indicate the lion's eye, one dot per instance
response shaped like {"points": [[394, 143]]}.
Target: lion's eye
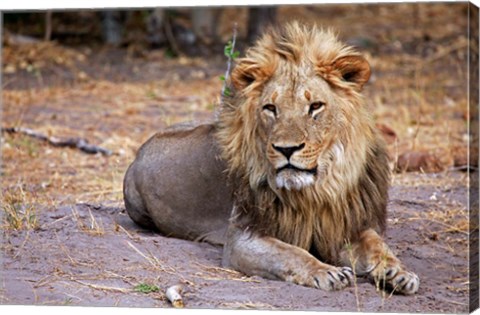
{"points": [[315, 108], [271, 108]]}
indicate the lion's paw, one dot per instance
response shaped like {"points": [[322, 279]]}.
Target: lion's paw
{"points": [[333, 278], [405, 282], [397, 279]]}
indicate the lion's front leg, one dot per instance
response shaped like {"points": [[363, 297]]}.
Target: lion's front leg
{"points": [[369, 255], [273, 259]]}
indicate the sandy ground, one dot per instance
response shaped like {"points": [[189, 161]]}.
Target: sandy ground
{"points": [[93, 255]]}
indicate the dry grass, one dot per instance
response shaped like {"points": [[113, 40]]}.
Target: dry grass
{"points": [[217, 273], [65, 176], [353, 262], [103, 287], [33, 57], [452, 220], [90, 225], [153, 261], [19, 210], [3, 298], [440, 208], [248, 305], [87, 280]]}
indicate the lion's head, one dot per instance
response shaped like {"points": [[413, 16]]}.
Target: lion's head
{"points": [[297, 124], [297, 105]]}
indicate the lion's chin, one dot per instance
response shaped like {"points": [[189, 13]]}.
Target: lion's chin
{"points": [[294, 180]]}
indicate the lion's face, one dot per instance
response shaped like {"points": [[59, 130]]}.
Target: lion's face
{"points": [[297, 101], [300, 118]]}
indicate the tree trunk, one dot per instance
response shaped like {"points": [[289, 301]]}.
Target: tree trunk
{"points": [[258, 19], [204, 23]]}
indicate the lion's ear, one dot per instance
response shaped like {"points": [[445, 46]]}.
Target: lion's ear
{"points": [[243, 74], [252, 72], [353, 69]]}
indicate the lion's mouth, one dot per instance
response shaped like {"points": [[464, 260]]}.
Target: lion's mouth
{"points": [[289, 166], [291, 177]]}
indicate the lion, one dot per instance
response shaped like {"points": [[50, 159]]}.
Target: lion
{"points": [[292, 178]]}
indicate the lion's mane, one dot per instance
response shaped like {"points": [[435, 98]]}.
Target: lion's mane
{"points": [[353, 194]]}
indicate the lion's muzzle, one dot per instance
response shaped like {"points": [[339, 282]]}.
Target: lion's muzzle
{"points": [[288, 151], [291, 177], [289, 166], [292, 170]]}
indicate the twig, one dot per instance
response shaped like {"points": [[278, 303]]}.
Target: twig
{"points": [[450, 228], [78, 143], [73, 262], [101, 192], [248, 305], [23, 244], [103, 288], [153, 260], [126, 232], [124, 278], [232, 274], [217, 269], [229, 62], [453, 302], [48, 224], [44, 281]]}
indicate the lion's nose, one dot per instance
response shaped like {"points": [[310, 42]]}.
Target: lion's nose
{"points": [[288, 151]]}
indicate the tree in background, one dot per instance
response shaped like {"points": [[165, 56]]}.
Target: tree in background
{"points": [[194, 31], [258, 19], [202, 35], [112, 26]]}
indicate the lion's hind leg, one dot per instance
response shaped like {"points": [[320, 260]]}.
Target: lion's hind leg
{"points": [[134, 203], [370, 256]]}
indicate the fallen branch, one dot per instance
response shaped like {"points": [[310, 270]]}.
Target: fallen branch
{"points": [[77, 143], [102, 288]]}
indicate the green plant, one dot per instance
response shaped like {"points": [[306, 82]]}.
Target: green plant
{"points": [[145, 288], [231, 54], [229, 50]]}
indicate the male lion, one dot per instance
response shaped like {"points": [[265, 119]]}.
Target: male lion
{"points": [[293, 168]]}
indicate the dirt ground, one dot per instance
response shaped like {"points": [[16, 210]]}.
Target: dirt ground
{"points": [[91, 254], [66, 237]]}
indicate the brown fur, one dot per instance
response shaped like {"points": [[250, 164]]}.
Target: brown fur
{"points": [[353, 195]]}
